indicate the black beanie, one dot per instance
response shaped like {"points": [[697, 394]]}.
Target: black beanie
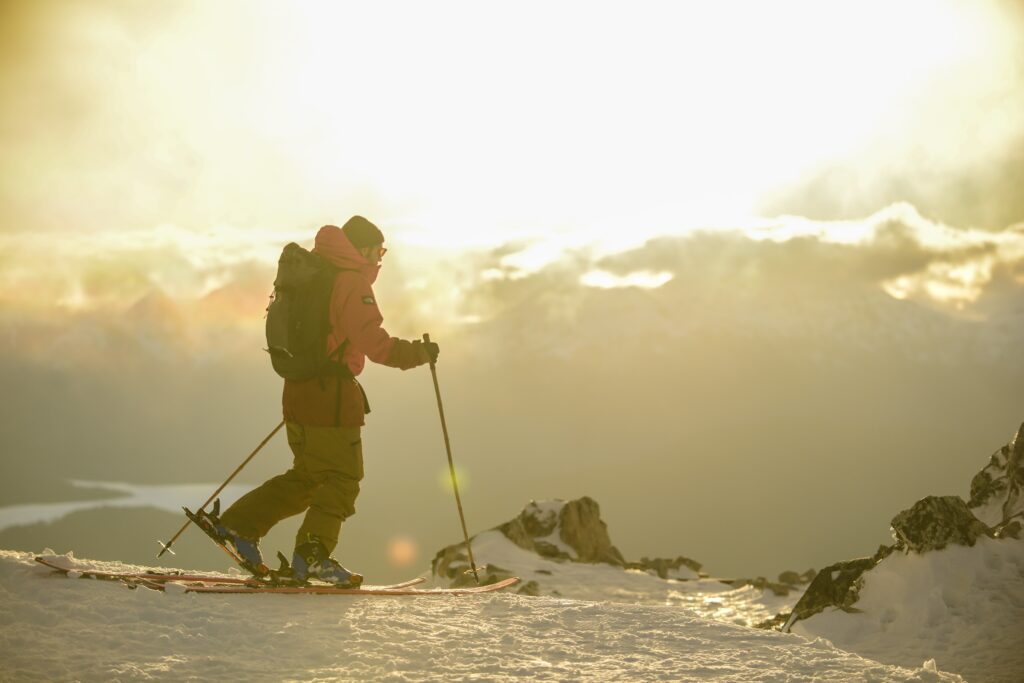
{"points": [[362, 233]]}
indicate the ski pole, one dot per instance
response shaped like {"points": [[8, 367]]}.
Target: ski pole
{"points": [[167, 546], [451, 464]]}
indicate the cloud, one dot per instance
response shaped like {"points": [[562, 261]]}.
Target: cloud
{"points": [[175, 291], [904, 286], [956, 152], [956, 147], [985, 193]]}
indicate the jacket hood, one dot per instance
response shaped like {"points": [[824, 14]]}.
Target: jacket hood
{"points": [[332, 243]]}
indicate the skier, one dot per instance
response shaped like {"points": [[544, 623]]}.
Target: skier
{"points": [[324, 417]]}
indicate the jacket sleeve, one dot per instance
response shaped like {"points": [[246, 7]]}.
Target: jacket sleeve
{"points": [[362, 323]]}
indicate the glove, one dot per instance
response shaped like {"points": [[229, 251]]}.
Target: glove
{"points": [[433, 350]]}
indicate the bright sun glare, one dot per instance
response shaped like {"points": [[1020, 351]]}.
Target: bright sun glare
{"points": [[662, 114]]}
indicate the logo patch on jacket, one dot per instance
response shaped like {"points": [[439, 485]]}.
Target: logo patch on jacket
{"points": [[368, 300]]}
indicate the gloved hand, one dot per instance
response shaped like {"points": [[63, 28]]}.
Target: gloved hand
{"points": [[433, 350]]}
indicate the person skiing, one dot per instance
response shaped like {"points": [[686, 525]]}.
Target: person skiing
{"points": [[324, 417]]}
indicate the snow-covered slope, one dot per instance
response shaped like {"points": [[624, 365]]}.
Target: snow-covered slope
{"points": [[963, 606], [52, 628], [707, 597], [952, 585]]}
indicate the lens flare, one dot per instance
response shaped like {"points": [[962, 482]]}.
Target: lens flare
{"points": [[402, 551], [444, 479]]}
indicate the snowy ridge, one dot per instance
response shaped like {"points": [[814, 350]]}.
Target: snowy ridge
{"points": [[54, 628]]}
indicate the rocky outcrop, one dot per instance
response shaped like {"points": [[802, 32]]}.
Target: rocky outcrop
{"points": [[562, 530], [931, 524], [791, 578], [669, 568], [580, 526], [788, 581], [996, 490], [837, 585], [935, 522]]}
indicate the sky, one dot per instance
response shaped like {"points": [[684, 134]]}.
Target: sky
{"points": [[459, 124], [683, 192]]}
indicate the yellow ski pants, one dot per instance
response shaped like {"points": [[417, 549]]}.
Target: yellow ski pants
{"points": [[323, 482]]}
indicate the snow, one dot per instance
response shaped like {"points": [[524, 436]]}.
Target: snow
{"points": [[962, 606], [710, 598], [52, 628]]}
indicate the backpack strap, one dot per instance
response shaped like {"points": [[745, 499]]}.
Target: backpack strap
{"points": [[340, 373]]}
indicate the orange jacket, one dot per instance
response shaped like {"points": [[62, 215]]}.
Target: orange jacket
{"points": [[354, 316]]}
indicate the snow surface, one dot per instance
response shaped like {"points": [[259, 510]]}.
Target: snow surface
{"points": [[962, 606], [52, 628], [708, 598]]}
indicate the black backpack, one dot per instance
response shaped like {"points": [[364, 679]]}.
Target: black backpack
{"points": [[298, 316]]}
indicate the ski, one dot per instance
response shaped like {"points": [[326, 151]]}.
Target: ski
{"points": [[156, 576], [156, 579], [365, 590]]}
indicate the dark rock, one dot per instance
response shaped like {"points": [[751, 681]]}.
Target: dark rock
{"points": [[450, 561], [488, 574], [529, 588], [1009, 529], [837, 585], [583, 530], [761, 583], [776, 623], [550, 551], [935, 522], [790, 578], [663, 566]]}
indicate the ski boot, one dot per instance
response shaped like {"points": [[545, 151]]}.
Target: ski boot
{"points": [[312, 561], [245, 550]]}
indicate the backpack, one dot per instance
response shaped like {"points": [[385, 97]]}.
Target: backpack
{"points": [[298, 316]]}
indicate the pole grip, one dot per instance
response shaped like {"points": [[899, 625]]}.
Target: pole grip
{"points": [[426, 340]]}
